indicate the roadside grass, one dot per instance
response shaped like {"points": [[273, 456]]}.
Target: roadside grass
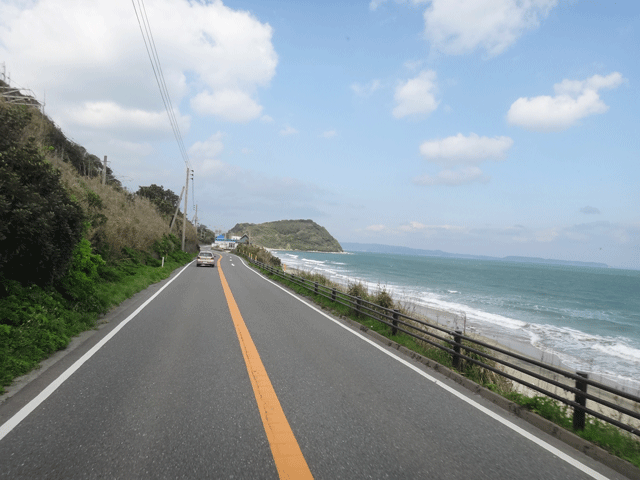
{"points": [[607, 436], [35, 322], [131, 278]]}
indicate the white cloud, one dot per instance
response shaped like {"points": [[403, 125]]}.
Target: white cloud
{"points": [[375, 4], [590, 210], [461, 150], [93, 52], [367, 89], [233, 105], [460, 26], [547, 235], [573, 101], [204, 156], [413, 65], [414, 226], [288, 130], [131, 148], [375, 228], [416, 96], [597, 82], [329, 134], [461, 176], [208, 149], [114, 117], [212, 166], [615, 232]]}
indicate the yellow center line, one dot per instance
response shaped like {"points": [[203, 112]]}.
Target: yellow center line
{"points": [[286, 452]]}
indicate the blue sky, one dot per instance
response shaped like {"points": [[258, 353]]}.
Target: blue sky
{"points": [[491, 127]]}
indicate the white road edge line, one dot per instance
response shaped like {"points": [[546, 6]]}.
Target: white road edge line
{"points": [[53, 386], [550, 448]]}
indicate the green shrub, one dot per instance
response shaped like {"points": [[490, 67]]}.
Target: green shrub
{"points": [[165, 200], [81, 280], [166, 245], [40, 224], [383, 298], [180, 257], [358, 290], [260, 254], [34, 322], [546, 407]]}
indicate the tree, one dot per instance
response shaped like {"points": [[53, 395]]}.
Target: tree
{"points": [[40, 224], [85, 163], [205, 235], [165, 200]]}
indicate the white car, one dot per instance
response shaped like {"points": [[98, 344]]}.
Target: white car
{"points": [[206, 259]]}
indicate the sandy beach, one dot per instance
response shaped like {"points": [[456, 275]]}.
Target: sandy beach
{"points": [[454, 322]]}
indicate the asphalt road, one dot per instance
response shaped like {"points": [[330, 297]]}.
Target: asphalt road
{"points": [[169, 395]]}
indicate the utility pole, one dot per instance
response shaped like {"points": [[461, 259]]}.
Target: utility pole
{"points": [[104, 171], [195, 221], [173, 220], [184, 219]]}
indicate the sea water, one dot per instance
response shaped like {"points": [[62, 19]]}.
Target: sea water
{"points": [[582, 318]]}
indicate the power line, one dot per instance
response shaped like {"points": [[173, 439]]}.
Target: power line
{"points": [[149, 43]]}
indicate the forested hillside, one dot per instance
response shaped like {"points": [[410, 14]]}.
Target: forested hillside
{"points": [[289, 235]]}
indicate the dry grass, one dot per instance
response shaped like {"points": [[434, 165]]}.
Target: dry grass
{"points": [[131, 221], [119, 218]]}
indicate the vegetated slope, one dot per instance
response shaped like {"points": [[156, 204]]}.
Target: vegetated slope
{"points": [[289, 235], [115, 218], [70, 247]]}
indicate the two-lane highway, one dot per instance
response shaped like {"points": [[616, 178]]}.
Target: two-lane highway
{"points": [[224, 374]]}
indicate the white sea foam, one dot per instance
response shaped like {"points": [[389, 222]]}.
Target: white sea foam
{"points": [[434, 301], [614, 358], [314, 262], [621, 349]]}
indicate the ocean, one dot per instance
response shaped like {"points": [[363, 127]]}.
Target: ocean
{"points": [[582, 318]]}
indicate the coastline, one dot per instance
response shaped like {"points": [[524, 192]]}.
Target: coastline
{"points": [[454, 321], [545, 312], [268, 249], [530, 351]]}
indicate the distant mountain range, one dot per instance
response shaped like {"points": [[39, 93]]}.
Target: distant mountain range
{"points": [[378, 248]]}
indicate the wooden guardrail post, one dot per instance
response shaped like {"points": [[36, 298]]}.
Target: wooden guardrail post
{"points": [[333, 294], [579, 414], [358, 303], [315, 287], [456, 348], [394, 330]]}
